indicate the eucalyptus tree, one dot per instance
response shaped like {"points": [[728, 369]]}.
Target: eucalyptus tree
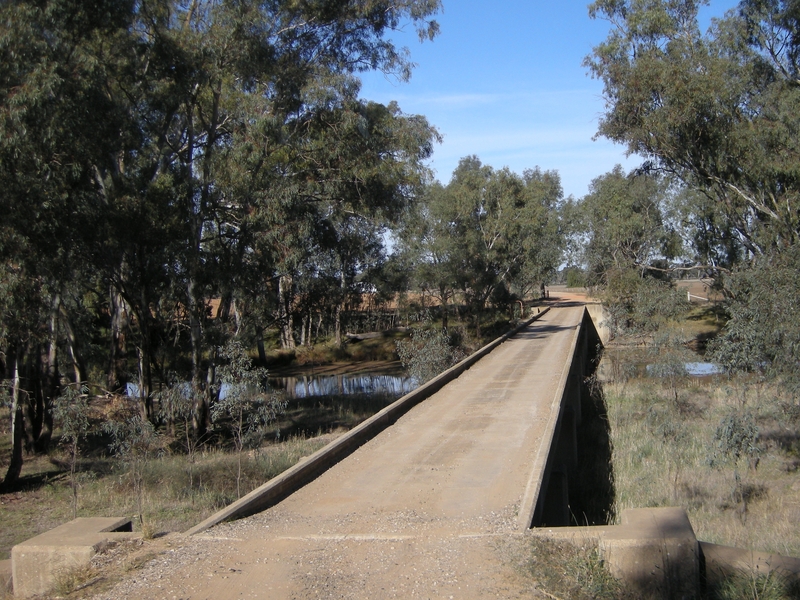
{"points": [[214, 77], [56, 124], [624, 223], [717, 109], [628, 246], [425, 247], [321, 201], [544, 237], [119, 124], [486, 232]]}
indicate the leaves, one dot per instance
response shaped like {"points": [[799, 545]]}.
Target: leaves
{"points": [[712, 109]]}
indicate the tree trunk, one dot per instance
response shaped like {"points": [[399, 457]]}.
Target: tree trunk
{"points": [[78, 366], [117, 377], [443, 296], [262, 353], [145, 401], [285, 288], [340, 309], [52, 384], [15, 466], [200, 410]]}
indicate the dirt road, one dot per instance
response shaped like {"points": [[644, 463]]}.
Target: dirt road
{"points": [[424, 510]]}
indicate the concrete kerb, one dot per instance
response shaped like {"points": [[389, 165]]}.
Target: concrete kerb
{"points": [[542, 466], [291, 480]]}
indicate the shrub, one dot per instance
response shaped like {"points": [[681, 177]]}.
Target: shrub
{"points": [[427, 353]]}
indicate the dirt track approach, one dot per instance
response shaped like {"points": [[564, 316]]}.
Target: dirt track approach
{"points": [[422, 510]]}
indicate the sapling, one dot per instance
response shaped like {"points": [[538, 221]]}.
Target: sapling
{"points": [[135, 440], [668, 356], [246, 406], [71, 410], [177, 404], [736, 438]]}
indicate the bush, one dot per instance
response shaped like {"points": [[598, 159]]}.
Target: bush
{"points": [[763, 334], [427, 353]]}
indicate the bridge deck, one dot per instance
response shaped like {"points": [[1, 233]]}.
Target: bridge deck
{"points": [[416, 511]]}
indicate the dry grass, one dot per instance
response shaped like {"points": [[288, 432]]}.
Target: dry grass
{"points": [[68, 581], [557, 568], [663, 453], [170, 504]]}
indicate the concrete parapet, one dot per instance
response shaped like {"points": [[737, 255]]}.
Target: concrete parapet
{"points": [[546, 497], [655, 551], [291, 480], [36, 563], [722, 562], [598, 314]]}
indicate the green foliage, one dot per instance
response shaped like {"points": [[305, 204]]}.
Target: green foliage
{"points": [[638, 304], [736, 437], [667, 357], [624, 225], [762, 335], [488, 235], [575, 278], [713, 108], [212, 146], [427, 353]]}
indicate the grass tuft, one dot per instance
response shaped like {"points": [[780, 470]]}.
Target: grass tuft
{"points": [[562, 569]]}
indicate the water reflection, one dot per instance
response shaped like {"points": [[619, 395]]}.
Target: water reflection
{"points": [[699, 369], [306, 386]]}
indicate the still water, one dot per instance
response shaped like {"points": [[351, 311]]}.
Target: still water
{"points": [[307, 386]]}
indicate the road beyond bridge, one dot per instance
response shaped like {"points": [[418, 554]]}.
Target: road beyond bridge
{"points": [[422, 509]]}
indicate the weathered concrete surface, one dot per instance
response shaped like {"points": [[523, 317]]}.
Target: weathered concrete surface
{"points": [[655, 551], [36, 562], [599, 315], [416, 511], [724, 561]]}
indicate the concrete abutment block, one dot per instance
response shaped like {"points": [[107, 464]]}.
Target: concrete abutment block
{"points": [[655, 552], [37, 562]]}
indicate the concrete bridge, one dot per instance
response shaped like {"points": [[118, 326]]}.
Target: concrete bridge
{"points": [[416, 502]]}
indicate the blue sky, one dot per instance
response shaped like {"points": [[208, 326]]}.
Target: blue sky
{"points": [[504, 81]]}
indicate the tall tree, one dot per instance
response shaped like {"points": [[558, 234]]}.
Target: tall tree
{"points": [[717, 109], [484, 233], [119, 123], [628, 243]]}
